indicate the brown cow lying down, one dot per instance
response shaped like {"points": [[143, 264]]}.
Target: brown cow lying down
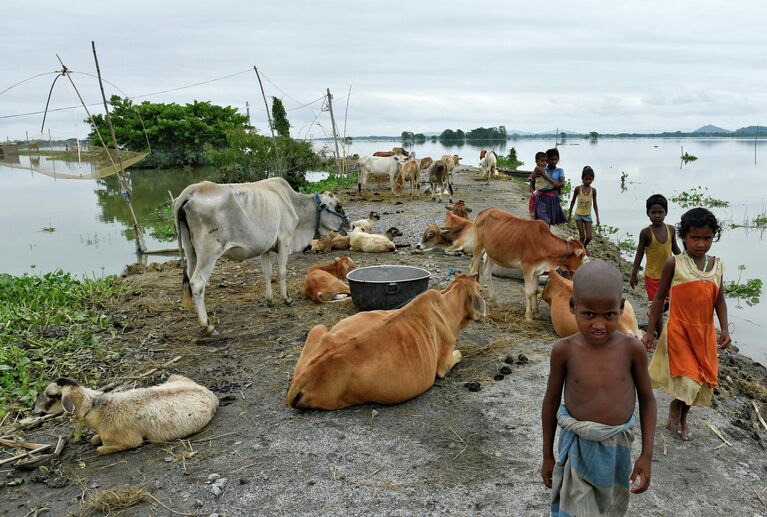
{"points": [[385, 357], [558, 292], [457, 237], [511, 241], [327, 282], [459, 209]]}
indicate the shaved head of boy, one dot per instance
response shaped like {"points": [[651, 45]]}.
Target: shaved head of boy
{"points": [[597, 300]]}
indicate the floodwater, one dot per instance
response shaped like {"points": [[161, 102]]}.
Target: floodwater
{"points": [[726, 166], [92, 232]]}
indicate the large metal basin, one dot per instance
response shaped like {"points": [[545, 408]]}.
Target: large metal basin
{"points": [[386, 286]]}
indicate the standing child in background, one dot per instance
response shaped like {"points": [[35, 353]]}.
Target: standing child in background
{"points": [[685, 363], [659, 242], [586, 195], [547, 204], [538, 180], [602, 372]]}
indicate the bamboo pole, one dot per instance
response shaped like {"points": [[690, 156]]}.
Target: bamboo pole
{"points": [[335, 133], [140, 245], [271, 126], [346, 113], [139, 237]]}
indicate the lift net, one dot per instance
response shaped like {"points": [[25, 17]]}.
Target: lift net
{"points": [[68, 163]]}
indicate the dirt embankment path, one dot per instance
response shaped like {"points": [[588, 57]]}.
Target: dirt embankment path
{"points": [[450, 450]]}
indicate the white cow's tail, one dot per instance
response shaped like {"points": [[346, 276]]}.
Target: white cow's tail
{"points": [[186, 249]]}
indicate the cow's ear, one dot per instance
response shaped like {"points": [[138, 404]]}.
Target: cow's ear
{"points": [[469, 210], [445, 234]]}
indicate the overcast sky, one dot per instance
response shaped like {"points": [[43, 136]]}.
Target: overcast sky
{"points": [[422, 66]]}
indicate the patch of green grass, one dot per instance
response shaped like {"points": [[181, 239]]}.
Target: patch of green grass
{"points": [[698, 196], [332, 183], [757, 223], [749, 291], [52, 325]]}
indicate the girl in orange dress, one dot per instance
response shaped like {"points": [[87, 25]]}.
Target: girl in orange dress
{"points": [[685, 362]]}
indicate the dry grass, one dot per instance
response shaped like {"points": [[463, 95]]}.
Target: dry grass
{"points": [[114, 499]]}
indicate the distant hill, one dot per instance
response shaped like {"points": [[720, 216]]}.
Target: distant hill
{"points": [[711, 129], [751, 131]]}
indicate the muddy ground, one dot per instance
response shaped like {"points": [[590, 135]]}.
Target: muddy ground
{"points": [[451, 450]]}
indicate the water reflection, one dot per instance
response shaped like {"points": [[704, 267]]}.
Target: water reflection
{"points": [[149, 191]]}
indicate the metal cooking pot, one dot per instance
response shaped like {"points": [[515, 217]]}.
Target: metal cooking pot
{"points": [[386, 286]]}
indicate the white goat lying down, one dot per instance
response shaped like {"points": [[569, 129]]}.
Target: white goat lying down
{"points": [[373, 242], [366, 225], [122, 420]]}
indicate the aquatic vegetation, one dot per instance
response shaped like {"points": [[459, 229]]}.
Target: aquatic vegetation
{"points": [[52, 325], [698, 196], [626, 242], [687, 157], [759, 222], [750, 290], [163, 227], [48, 229], [509, 162]]}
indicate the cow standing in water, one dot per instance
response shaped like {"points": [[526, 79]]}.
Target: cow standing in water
{"points": [[245, 220]]}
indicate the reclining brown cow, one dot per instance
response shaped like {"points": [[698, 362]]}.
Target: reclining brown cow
{"points": [[385, 357], [558, 292], [327, 282]]}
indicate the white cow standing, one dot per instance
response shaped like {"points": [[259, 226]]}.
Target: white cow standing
{"points": [[489, 164], [244, 220], [378, 166]]}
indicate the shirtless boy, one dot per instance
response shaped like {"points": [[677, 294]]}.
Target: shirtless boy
{"points": [[603, 372]]}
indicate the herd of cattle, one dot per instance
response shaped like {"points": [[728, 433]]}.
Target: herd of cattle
{"points": [[398, 167], [347, 364]]}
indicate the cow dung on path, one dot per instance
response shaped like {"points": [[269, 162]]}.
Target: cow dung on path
{"points": [[473, 386], [505, 370], [498, 377]]}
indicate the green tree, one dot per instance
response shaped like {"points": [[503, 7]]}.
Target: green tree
{"points": [[407, 136], [178, 135], [280, 118], [250, 157], [593, 135]]}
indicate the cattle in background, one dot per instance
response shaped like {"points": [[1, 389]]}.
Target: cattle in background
{"points": [[424, 163], [452, 163], [459, 209], [558, 292], [396, 151], [410, 172], [439, 182], [386, 357], [488, 163], [378, 166], [511, 241], [245, 220], [327, 282]]}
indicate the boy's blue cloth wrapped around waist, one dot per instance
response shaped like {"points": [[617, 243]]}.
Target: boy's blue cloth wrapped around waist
{"points": [[591, 476]]}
